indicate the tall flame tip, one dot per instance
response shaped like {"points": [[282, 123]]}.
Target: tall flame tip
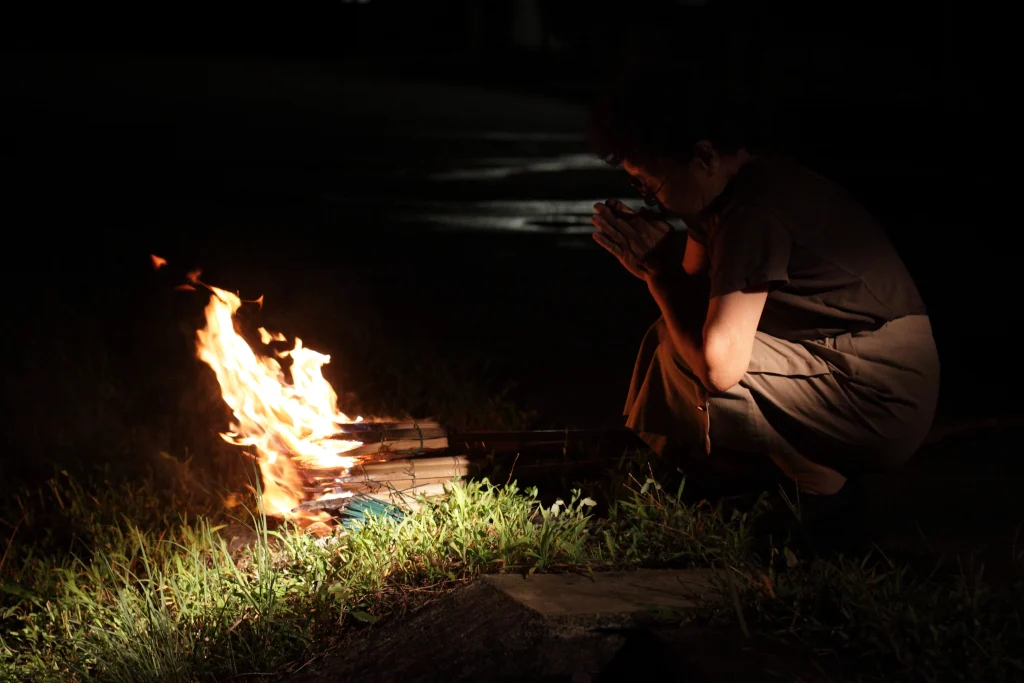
{"points": [[290, 423]]}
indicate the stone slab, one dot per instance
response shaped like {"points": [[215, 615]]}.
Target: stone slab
{"points": [[612, 593], [565, 628]]}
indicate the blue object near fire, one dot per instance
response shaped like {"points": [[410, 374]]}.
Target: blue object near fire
{"points": [[360, 507]]}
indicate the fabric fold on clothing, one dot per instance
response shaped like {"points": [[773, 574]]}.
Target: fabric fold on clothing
{"points": [[858, 400]]}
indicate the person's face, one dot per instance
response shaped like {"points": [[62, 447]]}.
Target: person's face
{"points": [[683, 189]]}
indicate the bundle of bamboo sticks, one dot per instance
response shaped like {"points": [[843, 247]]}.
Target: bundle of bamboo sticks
{"points": [[395, 439], [400, 482], [399, 462]]}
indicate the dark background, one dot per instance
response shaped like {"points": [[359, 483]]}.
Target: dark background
{"points": [[290, 154]]}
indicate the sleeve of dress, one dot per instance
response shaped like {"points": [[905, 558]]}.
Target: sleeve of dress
{"points": [[750, 246]]}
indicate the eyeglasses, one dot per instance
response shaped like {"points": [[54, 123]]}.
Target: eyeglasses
{"points": [[650, 198]]}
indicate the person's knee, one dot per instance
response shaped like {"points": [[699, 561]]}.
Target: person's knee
{"points": [[660, 330], [810, 476], [667, 351]]}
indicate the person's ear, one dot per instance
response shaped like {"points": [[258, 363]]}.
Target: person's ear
{"points": [[707, 156]]}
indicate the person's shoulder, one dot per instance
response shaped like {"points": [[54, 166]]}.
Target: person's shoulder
{"points": [[771, 172], [784, 183], [757, 185]]}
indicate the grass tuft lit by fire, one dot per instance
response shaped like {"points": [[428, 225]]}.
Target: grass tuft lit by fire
{"points": [[128, 582]]}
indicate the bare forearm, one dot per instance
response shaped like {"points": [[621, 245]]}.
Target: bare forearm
{"points": [[683, 300]]}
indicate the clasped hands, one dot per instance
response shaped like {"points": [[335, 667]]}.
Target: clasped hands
{"points": [[644, 243]]}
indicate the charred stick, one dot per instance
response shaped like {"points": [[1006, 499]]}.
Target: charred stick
{"points": [[331, 504]]}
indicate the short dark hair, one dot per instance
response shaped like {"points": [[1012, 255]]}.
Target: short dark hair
{"points": [[654, 110]]}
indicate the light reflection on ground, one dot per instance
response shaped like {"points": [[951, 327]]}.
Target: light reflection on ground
{"points": [[496, 168], [554, 217]]}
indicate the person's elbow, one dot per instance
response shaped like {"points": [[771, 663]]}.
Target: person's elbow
{"points": [[725, 361], [729, 334]]}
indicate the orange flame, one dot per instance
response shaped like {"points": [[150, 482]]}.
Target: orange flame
{"points": [[290, 424]]}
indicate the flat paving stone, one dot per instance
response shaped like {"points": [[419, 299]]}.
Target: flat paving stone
{"points": [[562, 627], [614, 593]]}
